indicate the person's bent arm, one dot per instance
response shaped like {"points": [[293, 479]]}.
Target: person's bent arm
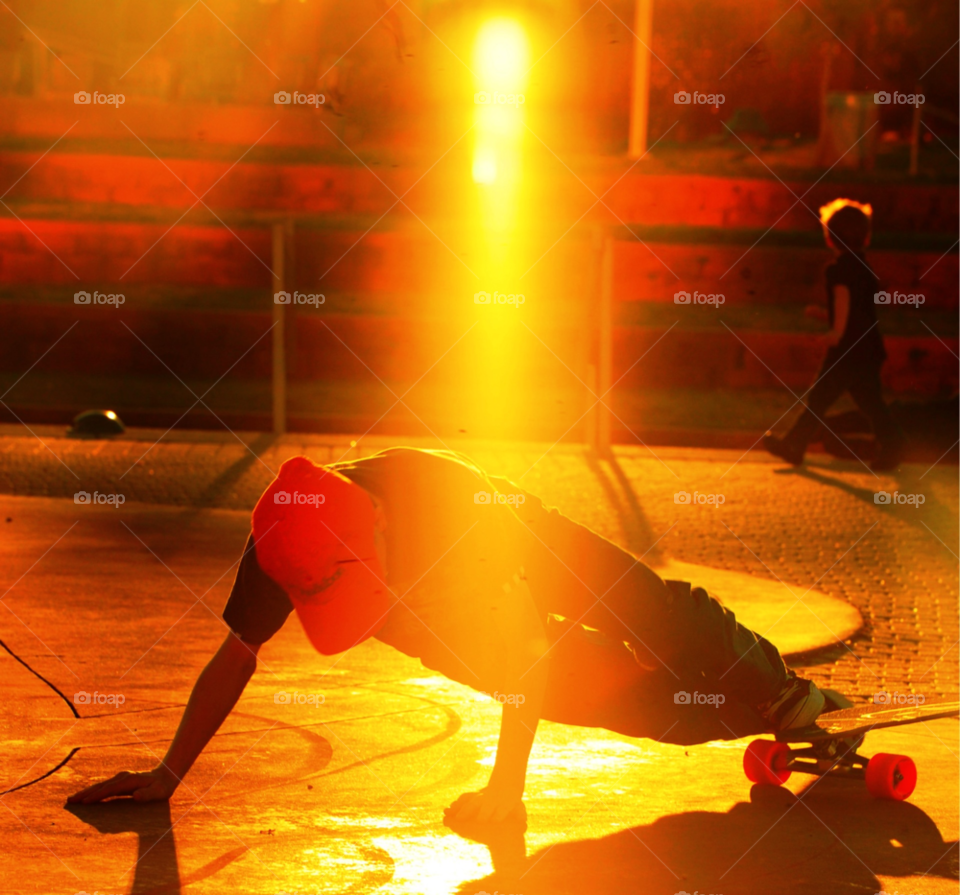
{"points": [[214, 695], [518, 727], [525, 682]]}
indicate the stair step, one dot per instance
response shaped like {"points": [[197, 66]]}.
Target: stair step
{"points": [[372, 187], [407, 258], [338, 349]]}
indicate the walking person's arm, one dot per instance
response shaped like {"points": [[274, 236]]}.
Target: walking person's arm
{"points": [[841, 314], [214, 695]]}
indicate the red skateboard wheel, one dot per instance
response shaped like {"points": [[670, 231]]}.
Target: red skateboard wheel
{"points": [[891, 776], [765, 761]]}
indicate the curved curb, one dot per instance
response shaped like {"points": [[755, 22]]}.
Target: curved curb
{"points": [[794, 619]]}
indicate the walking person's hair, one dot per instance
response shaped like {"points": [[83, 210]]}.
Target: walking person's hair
{"points": [[846, 224]]}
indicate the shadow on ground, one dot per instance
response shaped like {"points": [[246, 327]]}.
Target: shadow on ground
{"points": [[828, 840], [157, 870], [639, 538]]}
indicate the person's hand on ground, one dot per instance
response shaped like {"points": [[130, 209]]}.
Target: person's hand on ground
{"points": [[151, 786], [492, 804]]}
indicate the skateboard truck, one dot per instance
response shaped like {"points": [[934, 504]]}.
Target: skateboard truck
{"points": [[837, 758]]}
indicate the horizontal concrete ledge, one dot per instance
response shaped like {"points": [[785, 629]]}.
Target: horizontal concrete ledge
{"points": [[195, 427], [655, 199]]}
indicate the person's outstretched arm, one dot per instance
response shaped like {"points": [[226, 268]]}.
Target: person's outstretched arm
{"points": [[526, 682], [214, 695]]}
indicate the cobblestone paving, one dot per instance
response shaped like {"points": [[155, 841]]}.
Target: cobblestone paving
{"points": [[818, 526]]}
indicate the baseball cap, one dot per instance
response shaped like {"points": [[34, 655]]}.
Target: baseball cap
{"points": [[313, 531]]}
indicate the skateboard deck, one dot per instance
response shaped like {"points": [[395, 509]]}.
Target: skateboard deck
{"points": [[860, 720], [832, 745]]}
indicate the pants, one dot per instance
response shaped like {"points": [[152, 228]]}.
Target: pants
{"points": [[861, 378], [683, 640]]}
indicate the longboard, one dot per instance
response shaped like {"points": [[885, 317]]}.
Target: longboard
{"points": [[862, 719], [832, 745]]}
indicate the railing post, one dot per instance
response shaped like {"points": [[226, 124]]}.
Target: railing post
{"points": [[915, 137], [640, 82], [279, 334], [590, 419], [606, 346]]}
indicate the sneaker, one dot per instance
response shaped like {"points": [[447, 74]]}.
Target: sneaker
{"points": [[798, 704], [779, 447]]}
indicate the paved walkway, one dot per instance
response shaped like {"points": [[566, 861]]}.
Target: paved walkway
{"points": [[818, 527], [351, 801]]}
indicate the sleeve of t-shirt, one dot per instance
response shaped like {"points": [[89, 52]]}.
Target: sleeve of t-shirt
{"points": [[258, 606]]}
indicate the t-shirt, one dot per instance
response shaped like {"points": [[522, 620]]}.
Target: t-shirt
{"points": [[861, 339], [453, 558]]}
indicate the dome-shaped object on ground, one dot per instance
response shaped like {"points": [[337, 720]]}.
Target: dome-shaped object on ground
{"points": [[96, 424]]}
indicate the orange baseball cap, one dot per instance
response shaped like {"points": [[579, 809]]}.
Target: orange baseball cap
{"points": [[313, 531]]}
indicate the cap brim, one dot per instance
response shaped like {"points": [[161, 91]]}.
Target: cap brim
{"points": [[348, 612]]}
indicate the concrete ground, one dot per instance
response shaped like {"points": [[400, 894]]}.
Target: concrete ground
{"points": [[349, 796]]}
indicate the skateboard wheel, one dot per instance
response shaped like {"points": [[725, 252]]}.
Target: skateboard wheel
{"points": [[765, 761], [891, 776]]}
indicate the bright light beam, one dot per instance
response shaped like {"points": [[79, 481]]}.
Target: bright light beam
{"points": [[501, 60]]}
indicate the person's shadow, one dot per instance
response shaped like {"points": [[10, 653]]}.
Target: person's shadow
{"points": [[932, 511], [834, 838], [157, 869]]}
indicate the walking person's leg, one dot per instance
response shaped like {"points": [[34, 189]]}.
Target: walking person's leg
{"points": [[866, 391], [832, 381]]}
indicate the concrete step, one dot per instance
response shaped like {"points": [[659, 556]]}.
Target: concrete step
{"points": [[403, 256], [428, 307], [338, 348], [712, 417], [349, 185]]}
